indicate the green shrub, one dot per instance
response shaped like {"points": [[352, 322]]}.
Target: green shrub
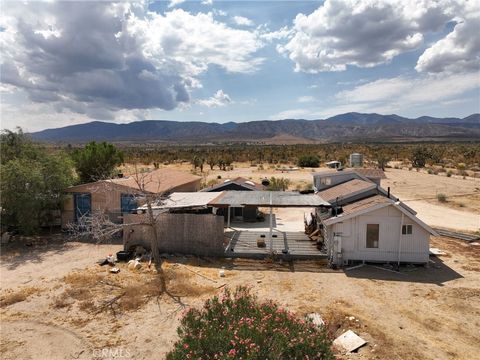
{"points": [[308, 161], [238, 326], [441, 198]]}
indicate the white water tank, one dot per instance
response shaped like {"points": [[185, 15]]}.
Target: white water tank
{"points": [[356, 160]]}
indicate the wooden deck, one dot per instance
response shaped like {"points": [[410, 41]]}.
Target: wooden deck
{"points": [[286, 245]]}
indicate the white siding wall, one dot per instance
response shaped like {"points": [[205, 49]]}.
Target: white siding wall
{"points": [[413, 248]]}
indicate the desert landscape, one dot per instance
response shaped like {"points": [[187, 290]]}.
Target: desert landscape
{"points": [[55, 301], [418, 189]]}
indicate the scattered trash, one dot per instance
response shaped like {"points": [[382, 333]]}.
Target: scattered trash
{"points": [[134, 264], [115, 270], [259, 281], [351, 318], [109, 260], [349, 341], [316, 319], [221, 273], [437, 251], [123, 255]]}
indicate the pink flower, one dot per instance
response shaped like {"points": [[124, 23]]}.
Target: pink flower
{"points": [[232, 352], [185, 346]]}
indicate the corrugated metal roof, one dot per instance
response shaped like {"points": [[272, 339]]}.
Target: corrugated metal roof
{"points": [[348, 188], [179, 200], [268, 198]]}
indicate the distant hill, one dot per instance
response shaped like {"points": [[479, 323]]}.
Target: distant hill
{"points": [[344, 127]]}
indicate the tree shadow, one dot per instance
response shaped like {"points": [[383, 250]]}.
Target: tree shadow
{"points": [[36, 249]]}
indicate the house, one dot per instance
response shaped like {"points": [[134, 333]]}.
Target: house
{"points": [[367, 223], [243, 213], [114, 197]]}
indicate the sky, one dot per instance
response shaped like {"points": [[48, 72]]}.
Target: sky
{"points": [[65, 62]]}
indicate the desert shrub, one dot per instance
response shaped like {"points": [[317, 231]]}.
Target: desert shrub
{"points": [[278, 184], [308, 161], [11, 297], [441, 198], [449, 173], [219, 177], [430, 171], [238, 326]]}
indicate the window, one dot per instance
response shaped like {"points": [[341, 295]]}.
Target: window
{"points": [[326, 181], [373, 232], [407, 229], [128, 203]]}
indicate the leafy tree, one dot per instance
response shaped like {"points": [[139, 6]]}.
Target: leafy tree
{"points": [[308, 161], [97, 161], [382, 160], [32, 182], [420, 155]]}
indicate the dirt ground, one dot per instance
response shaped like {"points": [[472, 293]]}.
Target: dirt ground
{"points": [[54, 302]]}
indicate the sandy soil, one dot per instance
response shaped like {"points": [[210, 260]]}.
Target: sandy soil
{"points": [[427, 313], [419, 190]]}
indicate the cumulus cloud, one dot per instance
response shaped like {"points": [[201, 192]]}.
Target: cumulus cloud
{"points": [[207, 2], [97, 58], [217, 100], [242, 21], [362, 33], [459, 51]]}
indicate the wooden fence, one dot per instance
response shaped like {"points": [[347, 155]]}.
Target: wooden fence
{"points": [[193, 234]]}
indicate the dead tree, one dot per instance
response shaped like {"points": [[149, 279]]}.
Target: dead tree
{"points": [[101, 228]]}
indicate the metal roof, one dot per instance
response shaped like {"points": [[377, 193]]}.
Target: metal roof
{"points": [[346, 189], [179, 200], [268, 198]]}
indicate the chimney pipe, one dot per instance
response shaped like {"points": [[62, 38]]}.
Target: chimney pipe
{"points": [[388, 189]]}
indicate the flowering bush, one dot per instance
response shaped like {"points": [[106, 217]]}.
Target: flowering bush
{"points": [[238, 326]]}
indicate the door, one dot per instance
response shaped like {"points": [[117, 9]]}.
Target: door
{"points": [[82, 204]]}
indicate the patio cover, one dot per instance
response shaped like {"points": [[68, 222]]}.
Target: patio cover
{"points": [[267, 199]]}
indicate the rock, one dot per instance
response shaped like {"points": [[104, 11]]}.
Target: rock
{"points": [[316, 319]]}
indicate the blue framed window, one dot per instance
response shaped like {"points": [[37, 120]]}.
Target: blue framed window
{"points": [[128, 203]]}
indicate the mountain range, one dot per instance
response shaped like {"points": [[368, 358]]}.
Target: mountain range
{"points": [[344, 127]]}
